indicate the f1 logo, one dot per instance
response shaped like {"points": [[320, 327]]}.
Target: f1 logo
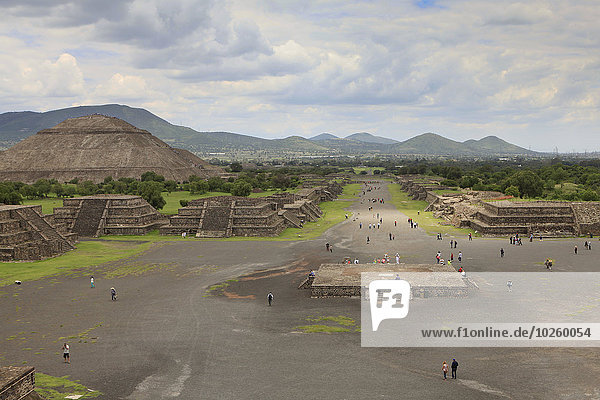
{"points": [[388, 299]]}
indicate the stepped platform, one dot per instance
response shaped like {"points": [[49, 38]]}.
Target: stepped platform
{"points": [[224, 216], [344, 280], [26, 235], [537, 218], [18, 383], [93, 216]]}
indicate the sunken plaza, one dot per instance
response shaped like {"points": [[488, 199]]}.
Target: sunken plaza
{"points": [[192, 321]]}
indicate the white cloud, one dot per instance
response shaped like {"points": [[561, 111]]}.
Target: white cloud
{"points": [[464, 68]]}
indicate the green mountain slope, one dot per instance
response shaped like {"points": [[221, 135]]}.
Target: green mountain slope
{"points": [[368, 138], [15, 126]]}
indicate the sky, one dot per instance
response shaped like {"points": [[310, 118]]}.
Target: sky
{"points": [[528, 72]]}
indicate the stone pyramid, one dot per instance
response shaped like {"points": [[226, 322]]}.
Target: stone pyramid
{"points": [[94, 147]]}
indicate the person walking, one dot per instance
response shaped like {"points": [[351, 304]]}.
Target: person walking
{"points": [[270, 298], [575, 249], [445, 369], [501, 252], [113, 293], [66, 353], [459, 256], [454, 367], [92, 282]]}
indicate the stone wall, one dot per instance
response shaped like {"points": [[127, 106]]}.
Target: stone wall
{"points": [[26, 235], [92, 216], [16, 382]]}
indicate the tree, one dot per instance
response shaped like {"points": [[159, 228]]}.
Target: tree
{"points": [[236, 167], [42, 187], [215, 183], [528, 183], [241, 188], [58, 189], [589, 195], [151, 191], [152, 176], [512, 191], [198, 187], [468, 181], [170, 186], [280, 181]]}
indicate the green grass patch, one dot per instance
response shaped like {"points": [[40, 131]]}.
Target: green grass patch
{"points": [[350, 191], [342, 324], [414, 209], [87, 254], [340, 319], [48, 204], [57, 388], [321, 329], [447, 191], [218, 288]]}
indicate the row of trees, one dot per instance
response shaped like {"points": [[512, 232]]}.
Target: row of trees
{"points": [[151, 186]]}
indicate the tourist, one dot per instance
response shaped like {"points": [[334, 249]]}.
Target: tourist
{"points": [[113, 294], [470, 237], [390, 236], [92, 282], [585, 244], [501, 252], [356, 261], [270, 298], [397, 258], [395, 223], [459, 256], [368, 240], [311, 273], [327, 246], [360, 226], [575, 249], [454, 368], [455, 243], [509, 285], [445, 369], [66, 353]]}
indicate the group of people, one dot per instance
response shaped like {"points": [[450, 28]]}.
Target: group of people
{"points": [[453, 366]]}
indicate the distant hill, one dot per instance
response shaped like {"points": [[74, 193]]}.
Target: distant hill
{"points": [[15, 126], [323, 136], [368, 138]]}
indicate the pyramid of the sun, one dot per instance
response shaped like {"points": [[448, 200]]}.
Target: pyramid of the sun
{"points": [[94, 147]]}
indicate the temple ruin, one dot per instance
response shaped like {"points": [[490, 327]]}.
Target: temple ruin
{"points": [[108, 214], [225, 216], [26, 234], [95, 147], [492, 213]]}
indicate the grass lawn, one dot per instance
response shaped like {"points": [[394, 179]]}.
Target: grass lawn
{"points": [[447, 191], [57, 388], [350, 191], [370, 170], [87, 254], [426, 220], [48, 204]]}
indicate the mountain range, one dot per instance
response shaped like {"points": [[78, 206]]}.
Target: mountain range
{"points": [[15, 126]]}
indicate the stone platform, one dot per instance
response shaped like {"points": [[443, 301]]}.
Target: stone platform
{"points": [[427, 280], [25, 234], [108, 214], [18, 383]]}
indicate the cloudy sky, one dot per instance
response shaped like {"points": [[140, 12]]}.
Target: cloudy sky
{"points": [[528, 72]]}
